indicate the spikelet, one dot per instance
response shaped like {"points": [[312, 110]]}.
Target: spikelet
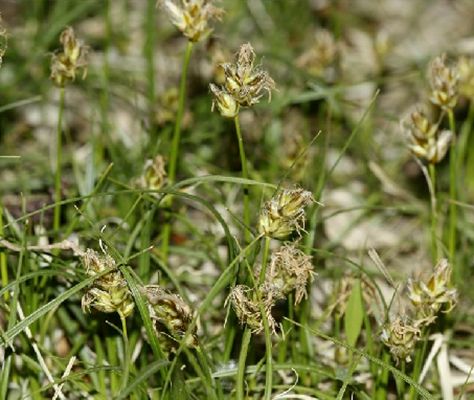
{"points": [[433, 296], [192, 17], [424, 139], [401, 336], [444, 81], [71, 59], [172, 317], [284, 213], [108, 293], [290, 270]]}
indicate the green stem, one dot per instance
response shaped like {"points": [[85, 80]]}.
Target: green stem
{"points": [[126, 355], [59, 153], [3, 257], [244, 347], [175, 146], [418, 364], [247, 336], [179, 115], [266, 328], [434, 219], [245, 175], [452, 189]]}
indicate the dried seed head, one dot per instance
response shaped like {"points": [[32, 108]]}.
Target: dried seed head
{"points": [[172, 317], [248, 311], [401, 336], [425, 141], [108, 293], [154, 174], [435, 295], [66, 63], [290, 269], [192, 17], [226, 104], [444, 81], [466, 76], [320, 55], [284, 213], [245, 82]]}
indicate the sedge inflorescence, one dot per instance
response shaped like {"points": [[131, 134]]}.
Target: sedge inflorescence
{"points": [[284, 213], [192, 17], [428, 298], [71, 59], [244, 84]]}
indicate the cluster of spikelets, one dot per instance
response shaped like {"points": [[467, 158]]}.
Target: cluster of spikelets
{"points": [[284, 213], [428, 299], [109, 293], [172, 318], [425, 140], [244, 84], [71, 59], [289, 270], [192, 17]]}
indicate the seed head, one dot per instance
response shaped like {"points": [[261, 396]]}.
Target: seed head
{"points": [[401, 336], [435, 295], [171, 315], [424, 140], [226, 104], [290, 269], [444, 81], [66, 63], [154, 174], [284, 213], [108, 293], [192, 17], [248, 310], [245, 82]]}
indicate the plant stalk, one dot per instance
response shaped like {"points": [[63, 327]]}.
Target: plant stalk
{"points": [[245, 175], [175, 147], [59, 153]]}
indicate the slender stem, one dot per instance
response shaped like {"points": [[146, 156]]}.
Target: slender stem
{"points": [[126, 355], [175, 146], [245, 175], [244, 347], [179, 115], [434, 219], [452, 189], [3, 257], [247, 336], [266, 328], [59, 153], [150, 33]]}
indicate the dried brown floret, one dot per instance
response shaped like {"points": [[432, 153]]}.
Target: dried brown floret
{"points": [[290, 269], [248, 310]]}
